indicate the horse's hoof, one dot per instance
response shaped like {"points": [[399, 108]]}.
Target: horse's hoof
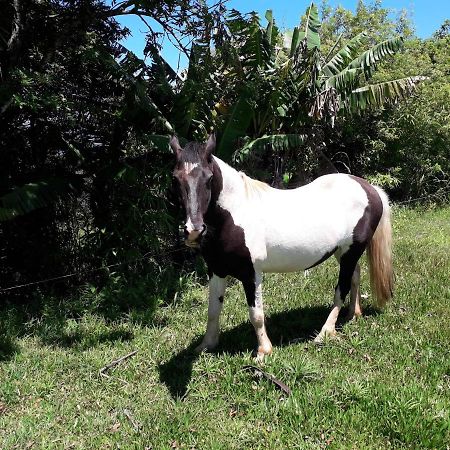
{"points": [[318, 339], [205, 347], [261, 352], [325, 335], [353, 316], [259, 358]]}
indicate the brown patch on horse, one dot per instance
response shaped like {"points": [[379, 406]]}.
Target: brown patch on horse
{"points": [[366, 226], [324, 258], [362, 234], [224, 247]]}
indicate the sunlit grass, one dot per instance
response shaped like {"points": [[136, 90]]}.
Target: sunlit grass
{"points": [[384, 383]]}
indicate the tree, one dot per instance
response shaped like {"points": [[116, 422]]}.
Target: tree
{"points": [[402, 146], [408, 144], [282, 91], [84, 172]]}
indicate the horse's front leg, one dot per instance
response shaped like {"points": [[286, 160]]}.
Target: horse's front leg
{"points": [[216, 292], [253, 292]]}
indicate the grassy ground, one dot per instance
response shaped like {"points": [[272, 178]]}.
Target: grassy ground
{"points": [[384, 384]]}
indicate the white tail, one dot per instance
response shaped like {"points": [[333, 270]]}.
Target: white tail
{"points": [[379, 255]]}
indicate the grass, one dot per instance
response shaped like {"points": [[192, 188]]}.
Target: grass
{"points": [[384, 384]]}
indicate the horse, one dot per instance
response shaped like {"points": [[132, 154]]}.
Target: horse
{"points": [[244, 227]]}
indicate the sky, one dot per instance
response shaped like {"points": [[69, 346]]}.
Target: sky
{"points": [[427, 16]]}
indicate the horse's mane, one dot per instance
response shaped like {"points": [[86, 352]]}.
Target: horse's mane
{"points": [[253, 187]]}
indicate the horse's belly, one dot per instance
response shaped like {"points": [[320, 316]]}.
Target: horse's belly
{"points": [[293, 259]]}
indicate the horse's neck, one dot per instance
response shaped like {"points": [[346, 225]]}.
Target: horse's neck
{"points": [[233, 189], [232, 183]]}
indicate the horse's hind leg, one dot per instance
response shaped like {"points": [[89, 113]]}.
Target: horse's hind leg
{"points": [[355, 310], [216, 292], [348, 264], [253, 293]]}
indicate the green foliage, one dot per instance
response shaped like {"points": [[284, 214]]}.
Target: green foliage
{"points": [[368, 59], [274, 83], [277, 142], [411, 139], [31, 196], [235, 127], [407, 139], [376, 95], [312, 28], [340, 60], [85, 165]]}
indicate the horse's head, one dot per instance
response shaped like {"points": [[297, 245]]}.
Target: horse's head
{"points": [[193, 174]]}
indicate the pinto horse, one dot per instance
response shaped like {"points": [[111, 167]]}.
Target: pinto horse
{"points": [[244, 227]]}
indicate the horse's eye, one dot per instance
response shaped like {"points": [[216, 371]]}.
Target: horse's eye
{"points": [[208, 181]]}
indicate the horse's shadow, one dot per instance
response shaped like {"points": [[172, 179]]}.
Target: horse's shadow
{"points": [[284, 328]]}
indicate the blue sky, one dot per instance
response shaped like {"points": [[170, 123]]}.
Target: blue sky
{"points": [[426, 15]]}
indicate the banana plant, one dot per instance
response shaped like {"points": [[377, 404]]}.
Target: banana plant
{"points": [[282, 85]]}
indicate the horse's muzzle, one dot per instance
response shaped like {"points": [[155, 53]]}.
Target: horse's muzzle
{"points": [[194, 236]]}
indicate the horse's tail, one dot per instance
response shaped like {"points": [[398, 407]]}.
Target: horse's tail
{"points": [[379, 255]]}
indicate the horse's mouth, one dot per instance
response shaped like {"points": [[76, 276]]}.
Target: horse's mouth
{"points": [[193, 243]]}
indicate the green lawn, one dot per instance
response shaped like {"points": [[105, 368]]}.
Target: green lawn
{"points": [[385, 383]]}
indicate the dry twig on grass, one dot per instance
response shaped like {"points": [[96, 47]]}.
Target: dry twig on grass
{"points": [[115, 362]]}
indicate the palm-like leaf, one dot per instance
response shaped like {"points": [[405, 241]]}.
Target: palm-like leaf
{"points": [[270, 25], [376, 95], [251, 44], [295, 42], [277, 142], [312, 27], [344, 81], [31, 196], [189, 105], [235, 126], [344, 56], [368, 59], [294, 88]]}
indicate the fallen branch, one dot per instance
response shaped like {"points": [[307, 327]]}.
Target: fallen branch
{"points": [[258, 372], [115, 362]]}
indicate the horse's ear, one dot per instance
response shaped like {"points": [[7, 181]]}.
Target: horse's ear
{"points": [[210, 145], [175, 145]]}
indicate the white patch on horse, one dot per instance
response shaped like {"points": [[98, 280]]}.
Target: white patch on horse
{"points": [[258, 298], [216, 293], [192, 182], [189, 167], [189, 225], [290, 230], [329, 328]]}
